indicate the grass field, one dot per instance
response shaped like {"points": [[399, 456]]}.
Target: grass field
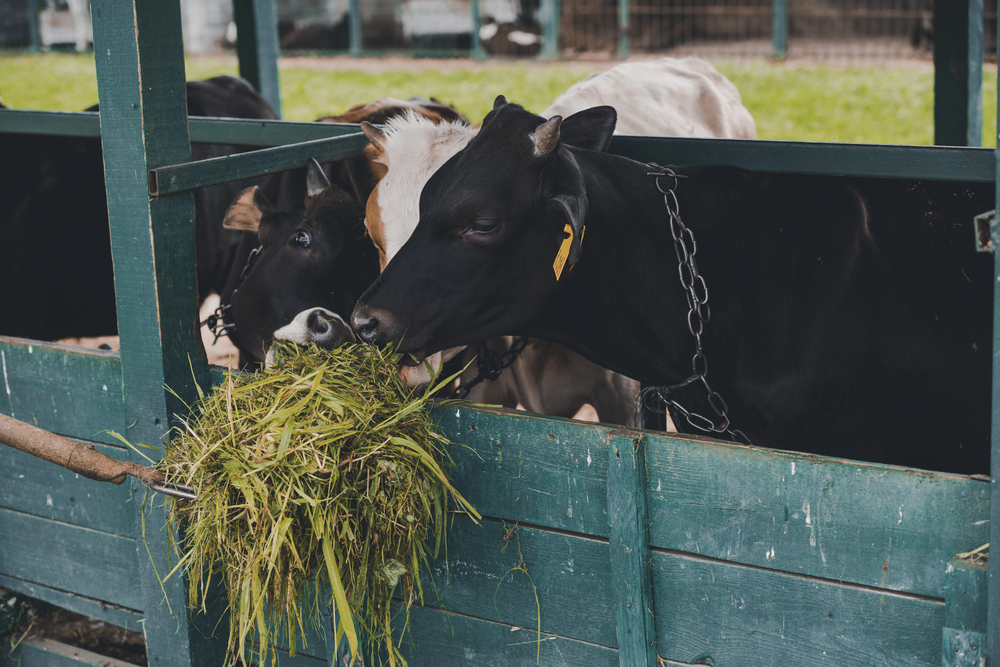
{"points": [[862, 105]]}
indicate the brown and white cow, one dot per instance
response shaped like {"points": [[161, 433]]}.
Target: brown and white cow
{"points": [[667, 97]]}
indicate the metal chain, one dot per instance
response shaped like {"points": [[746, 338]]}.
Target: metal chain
{"points": [[215, 320], [699, 313], [491, 364]]}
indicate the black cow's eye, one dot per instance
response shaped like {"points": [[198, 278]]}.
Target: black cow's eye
{"points": [[302, 238], [483, 226]]}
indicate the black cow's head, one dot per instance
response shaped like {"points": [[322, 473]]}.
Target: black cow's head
{"points": [[501, 225], [312, 265]]}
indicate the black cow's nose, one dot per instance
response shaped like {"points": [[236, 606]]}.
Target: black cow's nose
{"points": [[366, 326]]}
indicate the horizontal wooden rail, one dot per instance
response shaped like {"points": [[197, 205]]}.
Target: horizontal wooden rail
{"points": [[942, 163], [192, 175], [203, 130]]}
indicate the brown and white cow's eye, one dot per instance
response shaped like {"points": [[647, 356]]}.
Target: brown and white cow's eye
{"points": [[302, 238]]}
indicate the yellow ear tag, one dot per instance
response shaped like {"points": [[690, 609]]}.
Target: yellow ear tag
{"points": [[563, 253]]}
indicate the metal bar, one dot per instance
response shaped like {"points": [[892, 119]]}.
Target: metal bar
{"points": [[779, 30], [203, 129], [951, 79], [549, 18], [354, 13], [631, 578], [183, 177], [477, 23], [974, 165], [623, 29], [257, 47], [974, 105], [141, 88]]}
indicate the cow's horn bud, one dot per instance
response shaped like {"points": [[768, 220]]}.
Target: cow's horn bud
{"points": [[546, 137], [499, 102], [316, 181]]}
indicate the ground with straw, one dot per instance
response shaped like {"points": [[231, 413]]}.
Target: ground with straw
{"points": [[320, 481]]}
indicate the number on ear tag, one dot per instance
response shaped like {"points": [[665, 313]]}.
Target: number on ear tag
{"points": [[563, 253]]}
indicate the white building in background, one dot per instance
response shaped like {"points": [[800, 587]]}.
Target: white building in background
{"points": [[204, 23]]}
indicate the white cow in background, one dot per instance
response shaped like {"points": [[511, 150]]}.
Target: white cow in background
{"points": [[667, 97]]}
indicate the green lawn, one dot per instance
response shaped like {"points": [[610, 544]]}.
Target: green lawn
{"points": [[866, 105]]}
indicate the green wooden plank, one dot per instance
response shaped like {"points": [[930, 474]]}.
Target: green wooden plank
{"points": [[354, 25], [63, 389], [179, 178], [476, 575], [203, 129], [951, 52], [476, 50], [99, 609], [623, 28], [98, 565], [40, 652], [974, 67], [33, 486], [436, 638], [548, 16], [257, 47], [974, 165], [730, 616], [779, 28], [544, 471], [868, 524], [629, 550], [963, 639]]}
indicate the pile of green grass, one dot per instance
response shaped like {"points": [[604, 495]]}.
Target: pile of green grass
{"points": [[323, 473]]}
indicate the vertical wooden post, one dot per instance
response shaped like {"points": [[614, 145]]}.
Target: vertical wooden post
{"points": [[963, 637], [354, 17], [623, 29], [140, 76], [993, 599], [257, 47], [549, 17], [951, 77], [974, 111], [33, 41], [631, 580], [476, 44], [779, 29]]}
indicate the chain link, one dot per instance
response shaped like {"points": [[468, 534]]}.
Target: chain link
{"points": [[215, 321], [696, 292], [491, 364]]}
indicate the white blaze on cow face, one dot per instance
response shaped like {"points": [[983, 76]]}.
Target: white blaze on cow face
{"points": [[411, 149]]}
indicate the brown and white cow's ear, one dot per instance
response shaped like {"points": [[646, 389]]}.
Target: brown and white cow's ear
{"points": [[590, 129], [546, 137], [317, 183], [247, 210], [374, 134]]}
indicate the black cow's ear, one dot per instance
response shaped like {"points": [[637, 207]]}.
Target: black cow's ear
{"points": [[317, 183], [590, 129], [247, 210], [572, 210]]}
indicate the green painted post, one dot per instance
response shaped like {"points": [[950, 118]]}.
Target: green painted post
{"points": [[354, 14], [477, 23], [623, 29], [141, 89], [631, 578], [33, 42], [779, 30], [548, 15], [257, 47], [951, 77], [974, 124], [993, 587], [963, 637]]}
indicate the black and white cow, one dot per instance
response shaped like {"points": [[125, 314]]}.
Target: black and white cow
{"points": [[849, 317], [56, 278]]}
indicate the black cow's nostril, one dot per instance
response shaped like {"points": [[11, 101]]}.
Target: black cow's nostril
{"points": [[319, 323], [365, 327]]}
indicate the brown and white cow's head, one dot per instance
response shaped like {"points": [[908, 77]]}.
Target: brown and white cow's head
{"points": [[500, 223]]}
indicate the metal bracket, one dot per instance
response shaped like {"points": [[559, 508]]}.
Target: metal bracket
{"points": [[986, 231]]}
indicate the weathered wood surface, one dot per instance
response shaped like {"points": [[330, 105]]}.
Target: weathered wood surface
{"points": [[87, 562], [868, 524], [257, 47], [99, 609], [32, 486], [39, 652], [436, 638], [963, 638], [740, 615], [63, 389]]}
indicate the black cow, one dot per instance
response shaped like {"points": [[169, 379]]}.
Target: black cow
{"points": [[849, 317], [313, 263], [56, 278]]}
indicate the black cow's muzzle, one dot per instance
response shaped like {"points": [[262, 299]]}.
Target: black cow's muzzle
{"points": [[376, 326]]}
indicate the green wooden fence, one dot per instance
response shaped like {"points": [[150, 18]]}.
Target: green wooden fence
{"points": [[599, 546]]}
